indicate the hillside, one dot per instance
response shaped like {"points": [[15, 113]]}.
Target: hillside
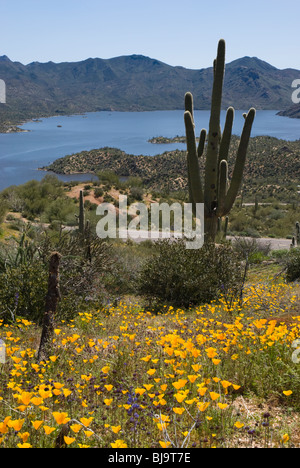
{"points": [[274, 162], [134, 83], [292, 112]]}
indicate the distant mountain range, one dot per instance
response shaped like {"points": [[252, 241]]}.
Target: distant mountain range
{"points": [[135, 83]]}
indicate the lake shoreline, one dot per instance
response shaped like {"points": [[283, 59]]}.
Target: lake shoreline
{"points": [[14, 127], [24, 154]]}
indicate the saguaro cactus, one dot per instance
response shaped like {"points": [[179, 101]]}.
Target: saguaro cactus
{"points": [[214, 189]]}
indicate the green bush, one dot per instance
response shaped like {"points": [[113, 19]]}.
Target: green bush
{"points": [[293, 266], [98, 192], [22, 291], [183, 277], [136, 193], [85, 264]]}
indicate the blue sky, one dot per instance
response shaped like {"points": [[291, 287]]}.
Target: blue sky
{"points": [[184, 32]]}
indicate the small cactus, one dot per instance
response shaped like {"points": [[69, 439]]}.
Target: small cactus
{"points": [[81, 217], [298, 233]]}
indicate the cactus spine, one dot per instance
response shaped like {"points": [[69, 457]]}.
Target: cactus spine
{"points": [[215, 191]]}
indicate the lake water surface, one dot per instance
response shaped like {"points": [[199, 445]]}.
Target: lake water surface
{"points": [[21, 154]]}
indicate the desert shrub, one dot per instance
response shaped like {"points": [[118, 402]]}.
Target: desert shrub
{"points": [[108, 177], [85, 265], [293, 265], [128, 258], [33, 198], [58, 210], [136, 193], [98, 192], [23, 279], [3, 211], [184, 277], [133, 181], [22, 291], [251, 250]]}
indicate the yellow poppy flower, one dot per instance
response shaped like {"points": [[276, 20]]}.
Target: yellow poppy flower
{"points": [[76, 428], [179, 384], [222, 405], [48, 429], [216, 361], [178, 410], [86, 421], [214, 396], [115, 429], [108, 401], [24, 436], [16, 424], [36, 424], [225, 383], [164, 444], [202, 406], [239, 425], [119, 444], [69, 440], [108, 387], [60, 418], [148, 386], [285, 438]]}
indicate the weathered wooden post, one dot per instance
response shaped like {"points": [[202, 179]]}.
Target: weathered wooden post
{"points": [[52, 299]]}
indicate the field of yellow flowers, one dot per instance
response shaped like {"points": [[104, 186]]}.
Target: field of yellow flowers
{"points": [[221, 375]]}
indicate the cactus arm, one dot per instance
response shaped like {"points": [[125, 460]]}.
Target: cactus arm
{"points": [[226, 136], [211, 172], [222, 186], [188, 104], [201, 143], [192, 157], [240, 162]]}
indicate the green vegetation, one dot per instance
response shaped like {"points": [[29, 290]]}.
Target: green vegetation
{"points": [[205, 336], [150, 344], [271, 172], [293, 266], [181, 277]]}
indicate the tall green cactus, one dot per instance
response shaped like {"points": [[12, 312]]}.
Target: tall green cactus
{"points": [[81, 213], [215, 190]]}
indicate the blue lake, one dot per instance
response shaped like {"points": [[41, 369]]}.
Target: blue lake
{"points": [[21, 154]]}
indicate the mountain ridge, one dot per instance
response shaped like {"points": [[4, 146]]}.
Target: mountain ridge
{"points": [[135, 83]]}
